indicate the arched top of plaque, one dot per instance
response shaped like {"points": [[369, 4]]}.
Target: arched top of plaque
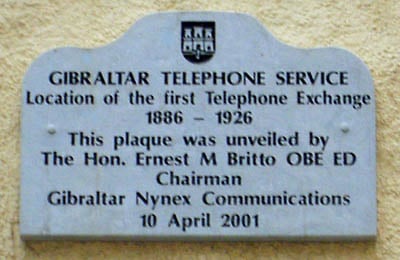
{"points": [[201, 39]]}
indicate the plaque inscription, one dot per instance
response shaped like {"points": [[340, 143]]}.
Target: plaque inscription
{"points": [[198, 126]]}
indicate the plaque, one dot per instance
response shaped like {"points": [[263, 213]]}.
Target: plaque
{"points": [[198, 126]]}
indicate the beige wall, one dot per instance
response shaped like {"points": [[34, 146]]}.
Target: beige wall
{"points": [[370, 29]]}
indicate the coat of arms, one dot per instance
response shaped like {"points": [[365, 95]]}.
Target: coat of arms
{"points": [[198, 41]]}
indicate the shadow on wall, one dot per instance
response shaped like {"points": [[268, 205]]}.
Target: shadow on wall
{"points": [[193, 250]]}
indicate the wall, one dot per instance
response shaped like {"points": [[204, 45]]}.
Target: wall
{"points": [[370, 29]]}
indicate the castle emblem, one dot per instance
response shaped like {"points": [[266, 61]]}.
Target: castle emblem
{"points": [[198, 41]]}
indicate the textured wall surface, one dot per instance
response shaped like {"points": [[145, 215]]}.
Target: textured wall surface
{"points": [[370, 29]]}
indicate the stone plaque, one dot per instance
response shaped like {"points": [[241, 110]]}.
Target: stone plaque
{"points": [[198, 126]]}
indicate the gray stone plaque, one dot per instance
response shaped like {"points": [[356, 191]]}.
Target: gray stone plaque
{"points": [[198, 126]]}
